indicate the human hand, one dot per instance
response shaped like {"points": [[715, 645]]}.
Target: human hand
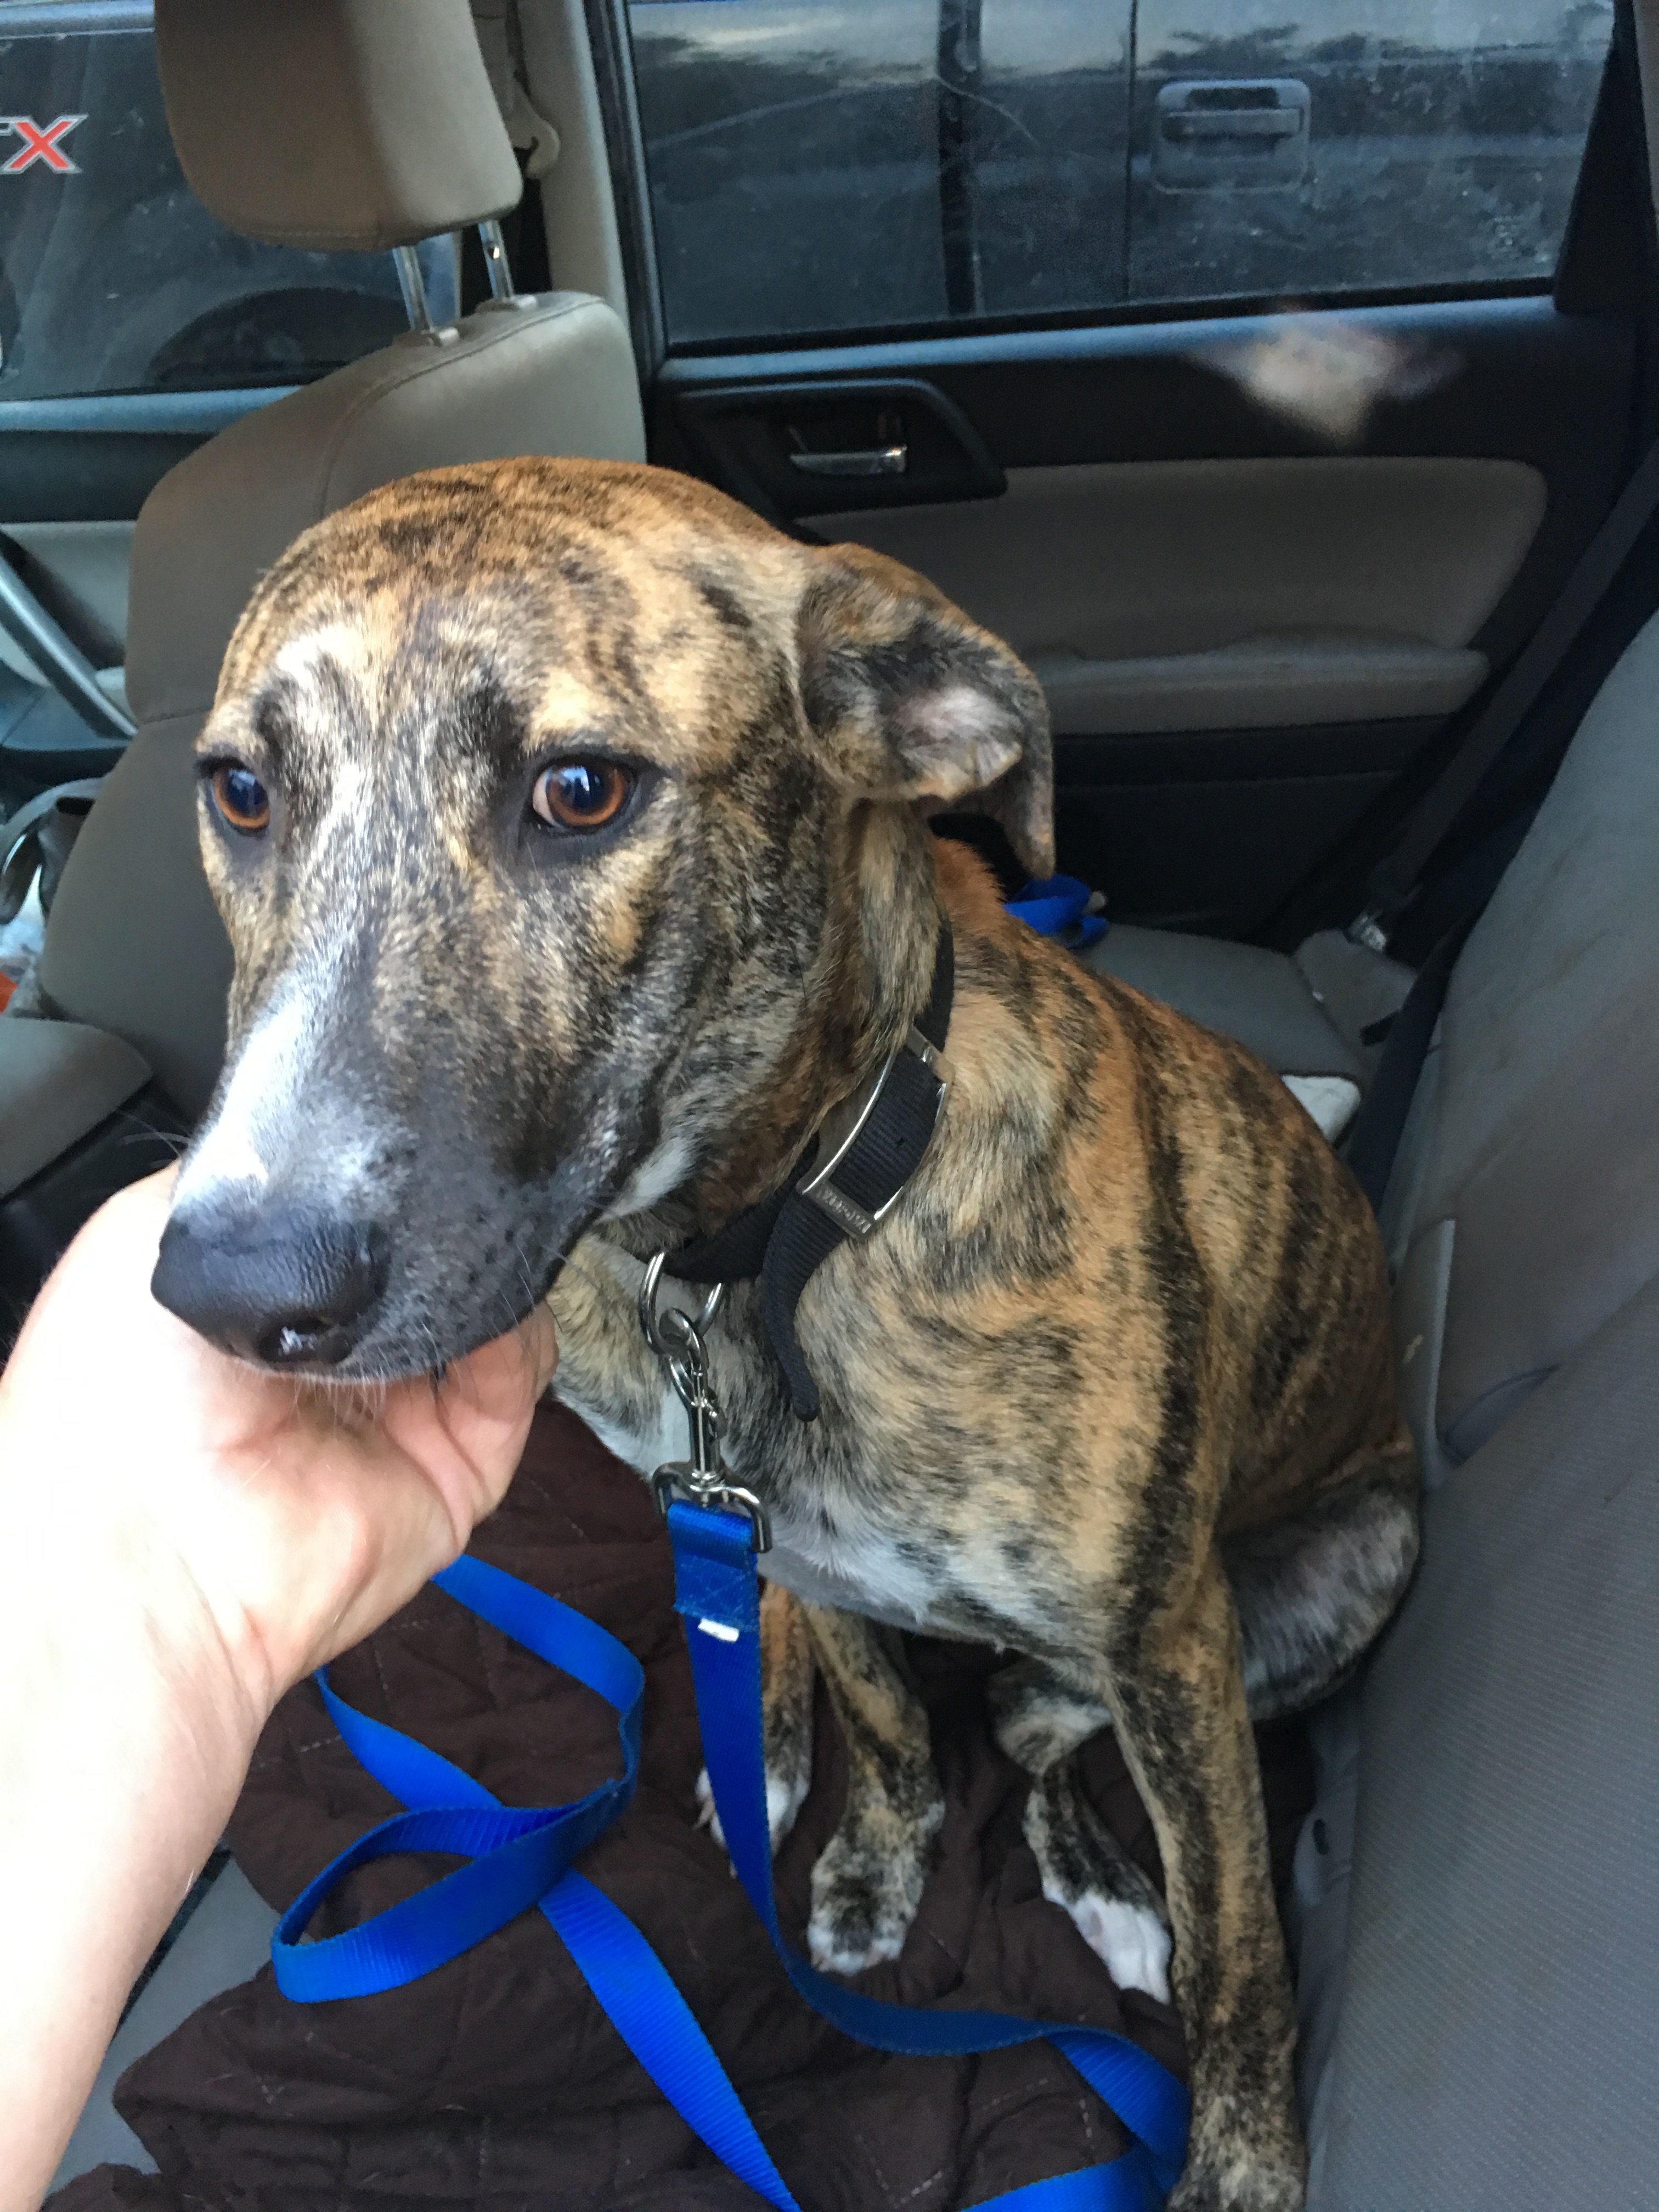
{"points": [[262, 1523], [181, 1538]]}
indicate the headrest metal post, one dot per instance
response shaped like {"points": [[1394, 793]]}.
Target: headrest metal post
{"points": [[496, 261], [408, 259]]}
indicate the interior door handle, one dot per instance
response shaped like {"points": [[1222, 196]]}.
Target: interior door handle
{"points": [[864, 461]]}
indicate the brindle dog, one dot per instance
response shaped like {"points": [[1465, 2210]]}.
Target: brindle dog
{"points": [[567, 823]]}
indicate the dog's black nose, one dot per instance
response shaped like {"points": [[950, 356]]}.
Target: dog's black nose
{"points": [[288, 1287]]}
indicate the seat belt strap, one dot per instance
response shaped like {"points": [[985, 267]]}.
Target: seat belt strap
{"points": [[1392, 883], [1373, 1139]]}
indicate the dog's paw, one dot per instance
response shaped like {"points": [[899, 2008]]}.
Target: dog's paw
{"points": [[1132, 1940], [1245, 2152], [1085, 1871], [1252, 2190], [865, 1896], [785, 1796]]}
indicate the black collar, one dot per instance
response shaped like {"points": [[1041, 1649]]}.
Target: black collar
{"points": [[864, 1154]]}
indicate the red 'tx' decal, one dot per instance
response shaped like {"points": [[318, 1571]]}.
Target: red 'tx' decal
{"points": [[40, 145]]}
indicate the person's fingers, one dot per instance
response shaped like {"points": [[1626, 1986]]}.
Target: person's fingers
{"points": [[300, 1514], [467, 1431], [541, 1332], [397, 1525], [436, 1463]]}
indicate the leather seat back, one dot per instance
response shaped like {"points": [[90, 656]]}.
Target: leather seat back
{"points": [[135, 945]]}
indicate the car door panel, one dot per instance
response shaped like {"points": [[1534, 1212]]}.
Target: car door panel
{"points": [[827, 446], [1232, 594], [1182, 846], [1258, 561]]}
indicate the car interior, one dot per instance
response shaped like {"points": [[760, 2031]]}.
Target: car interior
{"points": [[1275, 547]]}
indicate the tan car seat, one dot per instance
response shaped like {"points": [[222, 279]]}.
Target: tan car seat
{"points": [[332, 124]]}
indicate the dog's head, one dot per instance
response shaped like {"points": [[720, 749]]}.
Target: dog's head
{"points": [[564, 819]]}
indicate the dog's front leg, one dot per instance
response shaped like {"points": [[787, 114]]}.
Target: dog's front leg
{"points": [[787, 1671], [1042, 1721], [867, 1885], [1176, 1694]]}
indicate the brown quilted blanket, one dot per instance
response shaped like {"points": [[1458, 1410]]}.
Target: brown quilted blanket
{"points": [[497, 2082]]}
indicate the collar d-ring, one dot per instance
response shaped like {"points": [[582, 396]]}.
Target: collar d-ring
{"points": [[650, 1315]]}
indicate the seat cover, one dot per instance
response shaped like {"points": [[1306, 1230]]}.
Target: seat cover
{"points": [[1495, 2047]]}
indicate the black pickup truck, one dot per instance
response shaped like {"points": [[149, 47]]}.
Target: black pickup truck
{"points": [[931, 160]]}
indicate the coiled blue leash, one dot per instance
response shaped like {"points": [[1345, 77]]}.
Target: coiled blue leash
{"points": [[521, 1858]]}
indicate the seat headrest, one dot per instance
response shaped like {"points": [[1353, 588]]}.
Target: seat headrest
{"points": [[339, 125]]}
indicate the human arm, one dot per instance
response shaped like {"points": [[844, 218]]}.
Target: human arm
{"points": [[181, 1538]]}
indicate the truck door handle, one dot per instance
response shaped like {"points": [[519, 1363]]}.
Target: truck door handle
{"points": [[1211, 133], [865, 461], [1233, 123]]}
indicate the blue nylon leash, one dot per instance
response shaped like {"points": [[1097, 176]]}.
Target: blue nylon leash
{"points": [[718, 1596], [518, 1858], [452, 1813], [1059, 906]]}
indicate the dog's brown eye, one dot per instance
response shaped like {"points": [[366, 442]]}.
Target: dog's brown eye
{"points": [[581, 794], [240, 797]]}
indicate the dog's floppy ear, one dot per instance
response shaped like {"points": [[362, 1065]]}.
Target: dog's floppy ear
{"points": [[915, 702]]}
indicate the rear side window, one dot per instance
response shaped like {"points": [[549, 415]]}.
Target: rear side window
{"points": [[825, 166], [1368, 145], [113, 277]]}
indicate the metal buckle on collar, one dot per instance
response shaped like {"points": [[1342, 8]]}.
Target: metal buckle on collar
{"points": [[676, 1340], [844, 1124]]}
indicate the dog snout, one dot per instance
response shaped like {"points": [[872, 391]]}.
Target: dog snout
{"points": [[286, 1287]]}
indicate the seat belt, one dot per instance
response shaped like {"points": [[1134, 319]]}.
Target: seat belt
{"points": [[1394, 882], [1374, 1138]]}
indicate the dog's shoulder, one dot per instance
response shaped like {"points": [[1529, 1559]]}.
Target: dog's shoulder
{"points": [[1157, 1179]]}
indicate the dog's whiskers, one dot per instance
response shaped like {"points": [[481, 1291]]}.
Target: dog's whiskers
{"points": [[141, 1130]]}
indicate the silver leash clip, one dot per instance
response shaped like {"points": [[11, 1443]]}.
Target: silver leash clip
{"points": [[677, 1337]]}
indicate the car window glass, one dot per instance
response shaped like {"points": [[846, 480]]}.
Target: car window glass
{"points": [[793, 162], [832, 165], [820, 166], [1356, 145], [113, 277]]}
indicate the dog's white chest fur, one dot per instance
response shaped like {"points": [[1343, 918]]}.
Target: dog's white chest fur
{"points": [[838, 1557], [854, 1570]]}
